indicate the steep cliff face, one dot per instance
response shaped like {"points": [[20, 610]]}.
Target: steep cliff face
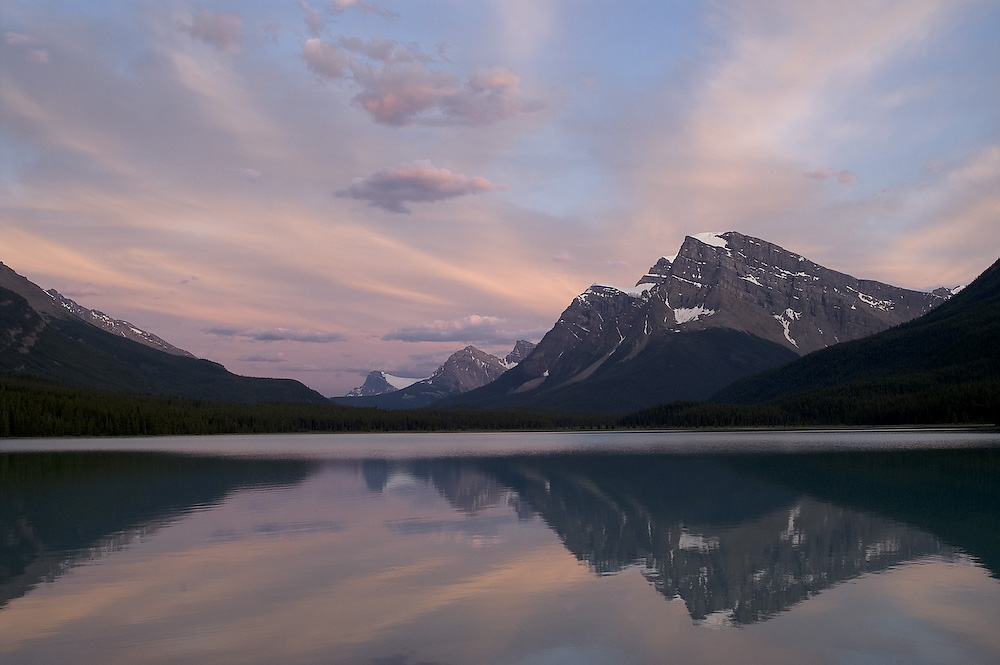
{"points": [[726, 305], [375, 383], [730, 280]]}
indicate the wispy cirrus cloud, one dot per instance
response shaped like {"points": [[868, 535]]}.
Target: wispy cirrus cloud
{"points": [[844, 177], [30, 45], [416, 182], [472, 329], [223, 31], [278, 335], [341, 6]]}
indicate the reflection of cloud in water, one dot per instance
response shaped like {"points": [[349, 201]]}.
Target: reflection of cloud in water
{"points": [[477, 531], [575, 656]]}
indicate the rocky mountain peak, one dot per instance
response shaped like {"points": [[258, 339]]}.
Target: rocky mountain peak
{"points": [[467, 369], [726, 305], [375, 383], [520, 351]]}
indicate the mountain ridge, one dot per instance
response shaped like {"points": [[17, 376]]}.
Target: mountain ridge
{"points": [[43, 339], [464, 370], [725, 306]]}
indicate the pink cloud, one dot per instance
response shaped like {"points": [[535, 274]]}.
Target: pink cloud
{"points": [[324, 59], [414, 95], [844, 177], [419, 182], [398, 89], [223, 31], [314, 20]]}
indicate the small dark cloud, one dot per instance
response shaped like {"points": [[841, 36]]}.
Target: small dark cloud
{"points": [[263, 358], [844, 177], [417, 182], [278, 335], [223, 31], [474, 329]]}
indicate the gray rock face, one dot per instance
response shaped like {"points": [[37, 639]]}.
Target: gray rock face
{"points": [[521, 350], [375, 384], [465, 370], [734, 281], [724, 281]]}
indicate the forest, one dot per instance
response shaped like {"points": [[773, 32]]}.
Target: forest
{"points": [[32, 407]]}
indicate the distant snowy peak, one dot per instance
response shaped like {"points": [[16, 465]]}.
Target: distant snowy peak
{"points": [[464, 370], [379, 383], [114, 326]]}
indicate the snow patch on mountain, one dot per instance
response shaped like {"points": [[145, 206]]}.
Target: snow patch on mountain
{"points": [[785, 319], [713, 239], [400, 382], [871, 301], [689, 314]]}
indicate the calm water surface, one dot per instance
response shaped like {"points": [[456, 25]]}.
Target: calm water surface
{"points": [[815, 547]]}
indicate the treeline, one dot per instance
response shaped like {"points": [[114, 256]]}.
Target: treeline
{"points": [[913, 400], [33, 408]]}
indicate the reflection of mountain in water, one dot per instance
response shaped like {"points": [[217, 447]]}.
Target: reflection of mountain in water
{"points": [[724, 533], [58, 508]]}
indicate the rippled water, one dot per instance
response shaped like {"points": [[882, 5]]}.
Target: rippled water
{"points": [[830, 547]]}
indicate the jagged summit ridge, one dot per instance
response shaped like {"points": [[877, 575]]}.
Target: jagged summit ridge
{"points": [[736, 281], [725, 306]]}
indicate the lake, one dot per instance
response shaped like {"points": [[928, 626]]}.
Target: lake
{"points": [[514, 548]]}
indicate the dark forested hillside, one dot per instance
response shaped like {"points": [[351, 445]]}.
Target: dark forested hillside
{"points": [[40, 340], [943, 367], [954, 345]]}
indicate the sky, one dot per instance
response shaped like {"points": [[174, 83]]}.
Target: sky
{"points": [[319, 189]]}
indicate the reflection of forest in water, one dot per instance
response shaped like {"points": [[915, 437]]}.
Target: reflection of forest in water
{"points": [[60, 508], [738, 538]]}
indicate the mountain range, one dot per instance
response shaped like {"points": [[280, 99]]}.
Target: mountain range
{"points": [[729, 318], [724, 307], [464, 370], [45, 335]]}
